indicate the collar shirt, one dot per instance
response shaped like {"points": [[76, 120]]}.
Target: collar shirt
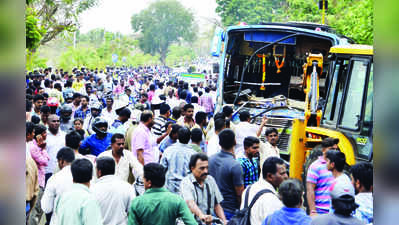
{"points": [[54, 144], [365, 210], [190, 189], [197, 108], [114, 197], [77, 206], [165, 143], [31, 178], [41, 158], [159, 126], [108, 86], [79, 113], [126, 162], [207, 102], [288, 216], [159, 204], [176, 159], [142, 138], [266, 204], [250, 168], [56, 185], [267, 150], [183, 121], [244, 129], [172, 102], [109, 116], [213, 146]]}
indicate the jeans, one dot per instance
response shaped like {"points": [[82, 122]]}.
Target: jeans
{"points": [[228, 215]]}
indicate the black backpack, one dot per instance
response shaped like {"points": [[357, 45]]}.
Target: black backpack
{"points": [[242, 217]]}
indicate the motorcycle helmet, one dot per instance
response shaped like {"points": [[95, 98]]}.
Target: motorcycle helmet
{"points": [[97, 124], [66, 112], [97, 107], [53, 103]]}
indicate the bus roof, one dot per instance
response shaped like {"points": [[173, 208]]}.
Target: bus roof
{"points": [[352, 49]]}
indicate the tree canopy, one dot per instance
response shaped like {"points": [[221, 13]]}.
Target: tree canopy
{"points": [[353, 18], [162, 24]]}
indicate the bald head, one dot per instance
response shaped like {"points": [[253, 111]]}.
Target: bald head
{"points": [[53, 123]]}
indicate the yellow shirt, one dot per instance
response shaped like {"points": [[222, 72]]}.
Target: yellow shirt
{"points": [[77, 85]]}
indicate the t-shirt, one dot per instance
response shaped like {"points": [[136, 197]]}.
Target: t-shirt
{"points": [[365, 210], [318, 174], [335, 219], [228, 174], [288, 216]]}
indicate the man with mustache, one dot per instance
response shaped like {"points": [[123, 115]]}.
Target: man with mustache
{"points": [[201, 192], [250, 162]]}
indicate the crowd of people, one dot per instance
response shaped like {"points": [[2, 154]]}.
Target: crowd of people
{"points": [[140, 146]]}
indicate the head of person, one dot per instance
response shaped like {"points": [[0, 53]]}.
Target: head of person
{"points": [[272, 136], [251, 147], [245, 116], [69, 97], [147, 118], [73, 140], [274, 171], [53, 123], [184, 135], [201, 118], [154, 175], [65, 112], [118, 143], [82, 171], [76, 98], [95, 109], [228, 111], [176, 112], [362, 177], [196, 135], [109, 102], [174, 135], [194, 100], [100, 127], [207, 89], [40, 130], [78, 124], [105, 165], [84, 101], [183, 94], [343, 198], [143, 97], [44, 113], [58, 86], [164, 110], [291, 192], [35, 119], [188, 111], [30, 131], [38, 101], [89, 89], [65, 156], [152, 87], [199, 166], [335, 160], [227, 139], [128, 91], [329, 144], [220, 124], [124, 114]]}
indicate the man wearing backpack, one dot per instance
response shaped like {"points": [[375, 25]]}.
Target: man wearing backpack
{"points": [[274, 173]]}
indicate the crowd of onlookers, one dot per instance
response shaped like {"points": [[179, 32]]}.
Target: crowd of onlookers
{"points": [[139, 146]]}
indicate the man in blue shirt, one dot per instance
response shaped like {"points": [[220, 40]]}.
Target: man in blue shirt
{"points": [[291, 192], [100, 141]]}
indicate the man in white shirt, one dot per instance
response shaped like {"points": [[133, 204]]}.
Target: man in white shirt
{"points": [[59, 182], [112, 194], [269, 148], [55, 141], [245, 129], [125, 162], [213, 146], [108, 113], [274, 173]]}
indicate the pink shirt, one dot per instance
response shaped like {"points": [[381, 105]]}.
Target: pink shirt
{"points": [[142, 138], [150, 95], [41, 158]]}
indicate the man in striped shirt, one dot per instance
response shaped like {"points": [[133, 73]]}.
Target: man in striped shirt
{"points": [[319, 180], [207, 102], [159, 128]]}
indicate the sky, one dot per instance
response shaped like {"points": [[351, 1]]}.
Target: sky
{"points": [[114, 15]]}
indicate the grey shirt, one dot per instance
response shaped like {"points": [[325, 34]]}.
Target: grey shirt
{"points": [[335, 219], [190, 189], [228, 174]]}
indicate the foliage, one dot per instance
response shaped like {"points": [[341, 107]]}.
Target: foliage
{"points": [[249, 11], [352, 18], [33, 30], [57, 16], [178, 53], [162, 24], [33, 60]]}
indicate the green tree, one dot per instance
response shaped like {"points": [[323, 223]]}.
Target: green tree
{"points": [[57, 16], [33, 30], [162, 24], [249, 11]]}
